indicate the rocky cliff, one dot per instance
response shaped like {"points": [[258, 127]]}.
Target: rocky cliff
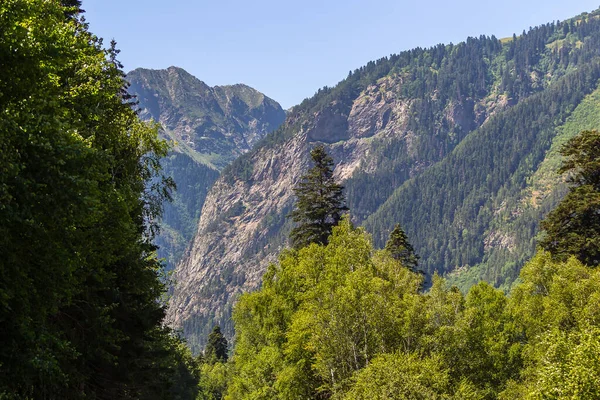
{"points": [[436, 139], [243, 224], [209, 128]]}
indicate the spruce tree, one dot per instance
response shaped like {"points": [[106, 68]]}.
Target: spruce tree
{"points": [[401, 249], [320, 202], [216, 347], [573, 228]]}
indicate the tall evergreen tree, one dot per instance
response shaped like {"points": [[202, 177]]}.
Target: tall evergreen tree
{"points": [[80, 184], [401, 249], [320, 202], [573, 228], [72, 7], [216, 347]]}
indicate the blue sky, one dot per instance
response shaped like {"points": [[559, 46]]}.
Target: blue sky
{"points": [[289, 49]]}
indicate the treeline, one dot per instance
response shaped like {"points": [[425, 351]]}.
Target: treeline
{"points": [[344, 321], [80, 191], [337, 319]]}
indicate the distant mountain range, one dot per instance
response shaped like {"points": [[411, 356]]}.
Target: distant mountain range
{"points": [[457, 143], [209, 127]]}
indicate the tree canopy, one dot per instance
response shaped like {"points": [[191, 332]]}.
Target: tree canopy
{"points": [[344, 321], [320, 202], [216, 346], [573, 228], [80, 190], [400, 249]]}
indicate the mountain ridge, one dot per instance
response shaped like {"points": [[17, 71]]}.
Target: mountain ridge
{"points": [[386, 124], [219, 122], [209, 127]]}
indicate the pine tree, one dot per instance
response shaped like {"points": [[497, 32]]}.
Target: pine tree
{"points": [[216, 347], [573, 228], [401, 249], [73, 7], [320, 203]]}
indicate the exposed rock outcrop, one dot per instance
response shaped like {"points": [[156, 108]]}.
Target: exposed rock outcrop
{"points": [[243, 224], [210, 127]]}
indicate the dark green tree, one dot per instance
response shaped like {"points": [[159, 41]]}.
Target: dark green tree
{"points": [[216, 347], [72, 7], [401, 249], [573, 228], [80, 184], [320, 202]]}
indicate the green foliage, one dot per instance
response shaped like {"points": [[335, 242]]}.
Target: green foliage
{"points": [[401, 250], [80, 189], [343, 321], [216, 346], [402, 377], [320, 202], [573, 228], [320, 316], [214, 378], [346, 321], [556, 309]]}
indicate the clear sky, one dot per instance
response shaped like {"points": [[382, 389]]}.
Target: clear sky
{"points": [[289, 49]]}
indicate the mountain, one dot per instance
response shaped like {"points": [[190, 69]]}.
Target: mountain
{"points": [[457, 143], [210, 127]]}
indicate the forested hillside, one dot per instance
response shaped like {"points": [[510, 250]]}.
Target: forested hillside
{"points": [[446, 141], [337, 319], [514, 227], [208, 128], [450, 207]]}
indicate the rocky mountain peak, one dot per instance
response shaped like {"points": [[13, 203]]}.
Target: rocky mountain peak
{"points": [[213, 124], [209, 127]]}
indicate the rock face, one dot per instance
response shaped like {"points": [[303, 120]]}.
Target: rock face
{"points": [[210, 127], [213, 124], [243, 224], [462, 117]]}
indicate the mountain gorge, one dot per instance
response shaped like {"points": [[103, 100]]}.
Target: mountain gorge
{"points": [[457, 143], [209, 127]]}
